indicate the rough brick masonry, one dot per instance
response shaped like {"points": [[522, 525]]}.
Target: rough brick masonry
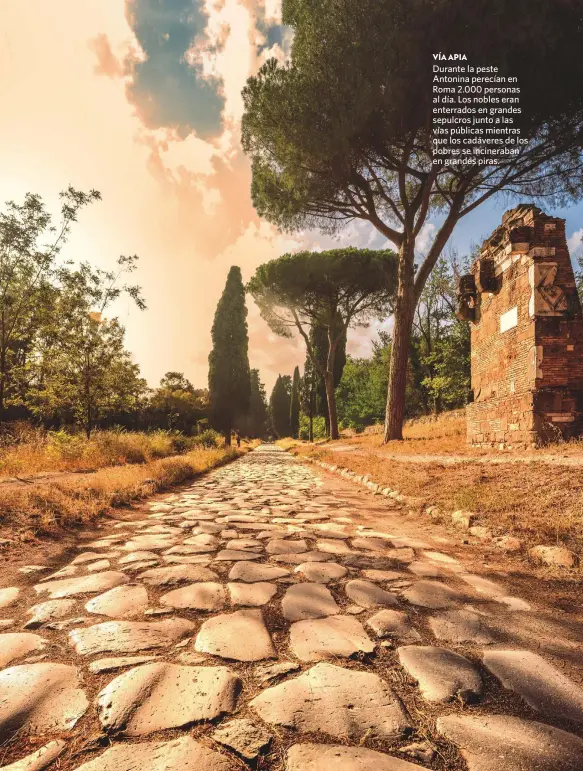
{"points": [[526, 333]]}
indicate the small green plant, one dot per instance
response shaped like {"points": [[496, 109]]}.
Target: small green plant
{"points": [[208, 439]]}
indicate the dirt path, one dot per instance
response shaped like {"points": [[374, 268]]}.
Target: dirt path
{"points": [[272, 617]]}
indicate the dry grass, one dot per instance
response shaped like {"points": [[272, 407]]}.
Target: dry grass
{"points": [[538, 502], [33, 450], [445, 434], [45, 508]]}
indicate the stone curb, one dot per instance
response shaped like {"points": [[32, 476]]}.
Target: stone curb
{"points": [[549, 556]]}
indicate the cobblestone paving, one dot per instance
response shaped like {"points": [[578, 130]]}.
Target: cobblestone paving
{"points": [[252, 620]]}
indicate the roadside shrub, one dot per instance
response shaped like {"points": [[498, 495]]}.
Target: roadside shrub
{"points": [[209, 439]]}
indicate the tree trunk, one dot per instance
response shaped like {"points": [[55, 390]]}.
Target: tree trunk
{"points": [[311, 433], [331, 398], [228, 438], [404, 312]]}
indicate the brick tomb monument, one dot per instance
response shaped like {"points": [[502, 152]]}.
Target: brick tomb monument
{"points": [[526, 333]]}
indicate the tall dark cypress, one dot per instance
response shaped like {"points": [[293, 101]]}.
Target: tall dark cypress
{"points": [[279, 406], [294, 413], [229, 375]]}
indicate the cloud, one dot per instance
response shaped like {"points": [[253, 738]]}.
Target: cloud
{"points": [[165, 89], [425, 238], [575, 243], [107, 63]]}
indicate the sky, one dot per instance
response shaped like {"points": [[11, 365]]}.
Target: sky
{"points": [[141, 100]]}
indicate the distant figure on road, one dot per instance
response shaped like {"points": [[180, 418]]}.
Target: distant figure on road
{"points": [[238, 435]]}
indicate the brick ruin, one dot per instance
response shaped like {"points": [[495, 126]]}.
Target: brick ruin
{"points": [[526, 334]]}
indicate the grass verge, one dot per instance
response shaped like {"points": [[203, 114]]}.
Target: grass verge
{"points": [[538, 503], [26, 449], [46, 508]]}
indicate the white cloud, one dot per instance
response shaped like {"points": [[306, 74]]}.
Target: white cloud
{"points": [[575, 242], [425, 238]]}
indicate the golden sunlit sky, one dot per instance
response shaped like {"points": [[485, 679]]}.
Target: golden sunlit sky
{"points": [[141, 100]]}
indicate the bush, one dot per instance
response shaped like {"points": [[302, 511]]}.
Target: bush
{"points": [[27, 450], [209, 439], [319, 427]]}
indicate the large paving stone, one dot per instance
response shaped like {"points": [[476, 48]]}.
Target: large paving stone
{"points": [[460, 626], [71, 587], [121, 602], [252, 595], [442, 674], [40, 698], [244, 737], [203, 539], [157, 696], [138, 556], [329, 638], [432, 594], [307, 600], [129, 636], [484, 585], [281, 546], [40, 758], [9, 596], [249, 572], [393, 623], [384, 575], [16, 645], [300, 559], [235, 555], [149, 543], [241, 636], [368, 595], [51, 610], [93, 556], [246, 544], [334, 701], [173, 575], [329, 546], [324, 757], [542, 686], [206, 595], [504, 743], [183, 754], [321, 573]]}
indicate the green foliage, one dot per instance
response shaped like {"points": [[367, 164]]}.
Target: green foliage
{"points": [[440, 343], [229, 373], [294, 415], [256, 422], [279, 406], [318, 424], [438, 374], [362, 390], [176, 404], [343, 130], [320, 295], [208, 439], [29, 275]]}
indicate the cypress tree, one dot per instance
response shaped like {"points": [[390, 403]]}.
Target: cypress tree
{"points": [[256, 421], [294, 413], [279, 407], [229, 375]]}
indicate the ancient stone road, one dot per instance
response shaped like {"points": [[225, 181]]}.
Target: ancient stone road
{"points": [[256, 620]]}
